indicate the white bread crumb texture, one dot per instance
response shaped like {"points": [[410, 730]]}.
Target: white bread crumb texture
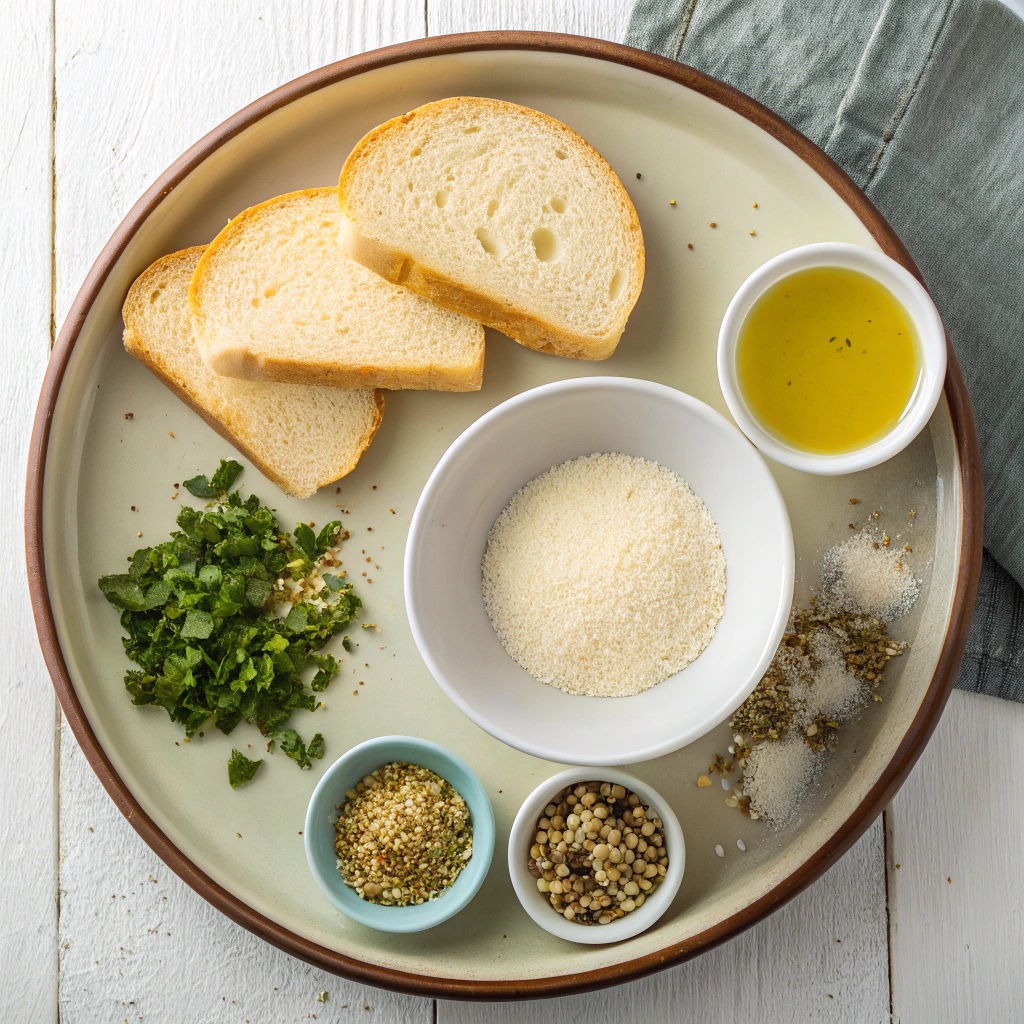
{"points": [[605, 575], [301, 437], [276, 286], [510, 203]]}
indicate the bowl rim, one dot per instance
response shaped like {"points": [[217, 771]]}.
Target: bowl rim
{"points": [[637, 921], [423, 510], [932, 346], [465, 887], [918, 732]]}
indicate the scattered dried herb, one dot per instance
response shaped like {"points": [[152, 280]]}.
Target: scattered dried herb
{"points": [[774, 712]]}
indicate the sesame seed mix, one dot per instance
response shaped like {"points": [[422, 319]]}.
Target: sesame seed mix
{"points": [[403, 836], [598, 852]]}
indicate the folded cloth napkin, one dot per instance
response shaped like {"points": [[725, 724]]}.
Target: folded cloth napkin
{"points": [[922, 104]]}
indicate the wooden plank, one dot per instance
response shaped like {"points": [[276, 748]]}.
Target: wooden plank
{"points": [[136, 84], [956, 875], [28, 712], [603, 19], [789, 967]]}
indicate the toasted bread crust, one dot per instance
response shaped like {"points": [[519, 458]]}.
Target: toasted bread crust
{"points": [[132, 315], [246, 365], [400, 268]]}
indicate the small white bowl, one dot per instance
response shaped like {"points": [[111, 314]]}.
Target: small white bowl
{"points": [[536, 904], [908, 291], [526, 436]]}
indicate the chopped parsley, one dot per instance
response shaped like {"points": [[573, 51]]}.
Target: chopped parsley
{"points": [[224, 617], [241, 769]]}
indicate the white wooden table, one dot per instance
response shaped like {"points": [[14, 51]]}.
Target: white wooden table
{"points": [[922, 921]]}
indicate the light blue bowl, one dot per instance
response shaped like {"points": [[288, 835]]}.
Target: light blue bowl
{"points": [[319, 834]]}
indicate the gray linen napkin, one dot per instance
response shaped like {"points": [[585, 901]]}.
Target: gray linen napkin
{"points": [[922, 103]]}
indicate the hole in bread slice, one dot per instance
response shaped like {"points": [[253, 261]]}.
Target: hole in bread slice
{"points": [[492, 244], [547, 245]]}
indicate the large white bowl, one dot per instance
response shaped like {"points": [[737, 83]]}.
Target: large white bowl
{"points": [[526, 436]]}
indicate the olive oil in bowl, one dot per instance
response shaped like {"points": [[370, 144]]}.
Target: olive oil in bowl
{"points": [[827, 360]]}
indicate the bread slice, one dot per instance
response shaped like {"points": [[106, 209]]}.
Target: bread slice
{"points": [[274, 298], [502, 213], [300, 437]]}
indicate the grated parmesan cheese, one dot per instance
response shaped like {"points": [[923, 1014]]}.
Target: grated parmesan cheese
{"points": [[604, 576]]}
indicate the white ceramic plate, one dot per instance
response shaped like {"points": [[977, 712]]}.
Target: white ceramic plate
{"points": [[692, 140]]}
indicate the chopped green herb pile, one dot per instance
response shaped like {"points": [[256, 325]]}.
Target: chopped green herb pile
{"points": [[223, 618]]}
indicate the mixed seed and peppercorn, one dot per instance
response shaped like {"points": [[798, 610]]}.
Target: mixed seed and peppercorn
{"points": [[403, 836], [598, 852]]}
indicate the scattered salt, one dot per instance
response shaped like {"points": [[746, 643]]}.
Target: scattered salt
{"points": [[777, 775], [821, 686], [864, 574], [726, 784]]}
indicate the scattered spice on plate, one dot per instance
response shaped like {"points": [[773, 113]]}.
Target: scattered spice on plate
{"points": [[828, 666], [598, 852], [864, 575], [777, 775], [404, 836]]}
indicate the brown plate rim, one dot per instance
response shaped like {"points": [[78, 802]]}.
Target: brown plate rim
{"points": [[892, 777]]}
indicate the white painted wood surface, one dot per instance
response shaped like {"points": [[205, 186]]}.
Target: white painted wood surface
{"points": [[956, 870], [135, 84], [28, 710]]}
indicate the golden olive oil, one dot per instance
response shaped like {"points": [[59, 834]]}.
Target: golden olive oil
{"points": [[827, 360]]}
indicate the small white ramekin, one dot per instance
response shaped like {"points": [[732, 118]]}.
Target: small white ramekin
{"points": [[908, 291], [536, 904]]}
